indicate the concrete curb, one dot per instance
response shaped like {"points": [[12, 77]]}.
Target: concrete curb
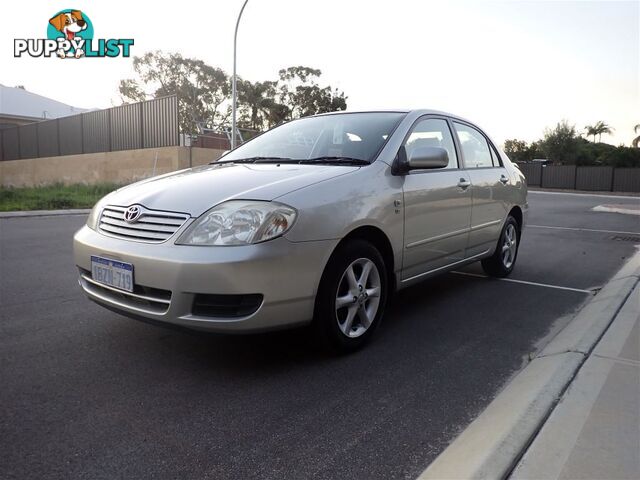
{"points": [[593, 431], [44, 213], [491, 446]]}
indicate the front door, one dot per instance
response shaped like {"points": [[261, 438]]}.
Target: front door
{"points": [[437, 203]]}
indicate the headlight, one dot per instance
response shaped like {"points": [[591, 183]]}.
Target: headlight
{"points": [[239, 222]]}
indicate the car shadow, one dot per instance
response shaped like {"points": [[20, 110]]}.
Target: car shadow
{"points": [[410, 314]]}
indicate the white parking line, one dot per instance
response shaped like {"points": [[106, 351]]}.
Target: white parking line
{"points": [[624, 209], [583, 229], [627, 197], [535, 284]]}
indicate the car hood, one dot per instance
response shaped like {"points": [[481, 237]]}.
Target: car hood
{"points": [[196, 190]]}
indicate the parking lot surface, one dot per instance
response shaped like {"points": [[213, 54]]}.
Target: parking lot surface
{"points": [[87, 393]]}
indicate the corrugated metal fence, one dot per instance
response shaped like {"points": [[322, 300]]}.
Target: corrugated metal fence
{"points": [[149, 124], [582, 178]]}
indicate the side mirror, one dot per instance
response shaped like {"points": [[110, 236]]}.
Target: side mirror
{"points": [[428, 157], [422, 158]]}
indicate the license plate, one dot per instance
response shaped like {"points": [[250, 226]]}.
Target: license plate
{"points": [[112, 272]]}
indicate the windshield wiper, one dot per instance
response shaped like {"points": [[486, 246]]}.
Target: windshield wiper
{"points": [[337, 160], [255, 160]]}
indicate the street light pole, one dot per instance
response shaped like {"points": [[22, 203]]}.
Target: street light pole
{"points": [[233, 81]]}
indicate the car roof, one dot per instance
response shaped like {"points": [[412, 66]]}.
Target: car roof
{"points": [[416, 112]]}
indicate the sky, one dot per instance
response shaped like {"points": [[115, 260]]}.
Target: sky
{"points": [[513, 67]]}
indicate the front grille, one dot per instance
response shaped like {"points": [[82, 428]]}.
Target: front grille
{"points": [[149, 299], [226, 306], [150, 226]]}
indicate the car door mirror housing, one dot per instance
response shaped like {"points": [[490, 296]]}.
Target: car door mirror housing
{"points": [[428, 157], [421, 158]]}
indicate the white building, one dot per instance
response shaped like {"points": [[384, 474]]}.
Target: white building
{"points": [[19, 106]]}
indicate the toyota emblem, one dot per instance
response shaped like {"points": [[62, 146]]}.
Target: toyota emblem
{"points": [[132, 214]]}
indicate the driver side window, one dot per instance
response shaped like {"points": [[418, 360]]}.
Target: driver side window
{"points": [[432, 132]]}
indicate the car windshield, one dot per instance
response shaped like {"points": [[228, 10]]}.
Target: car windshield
{"points": [[338, 138]]}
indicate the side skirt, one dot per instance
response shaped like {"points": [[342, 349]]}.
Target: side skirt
{"points": [[403, 283]]}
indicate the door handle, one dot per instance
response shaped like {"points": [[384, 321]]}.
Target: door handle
{"points": [[504, 179], [464, 184]]}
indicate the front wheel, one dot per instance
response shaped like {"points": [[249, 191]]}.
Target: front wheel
{"points": [[501, 263], [352, 296]]}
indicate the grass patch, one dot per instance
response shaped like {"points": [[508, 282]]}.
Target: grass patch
{"points": [[53, 197]]}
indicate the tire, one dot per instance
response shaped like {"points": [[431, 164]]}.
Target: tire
{"points": [[503, 260], [346, 315]]}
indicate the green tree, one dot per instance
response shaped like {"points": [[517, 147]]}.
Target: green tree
{"points": [[590, 153], [636, 141], [563, 145], [131, 91], [295, 94], [298, 90], [256, 104], [521, 151], [622, 157], [517, 150], [203, 91], [560, 144]]}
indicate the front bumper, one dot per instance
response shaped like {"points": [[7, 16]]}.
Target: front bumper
{"points": [[286, 273]]}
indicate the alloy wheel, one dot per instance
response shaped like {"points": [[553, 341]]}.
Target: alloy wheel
{"points": [[509, 246], [358, 297]]}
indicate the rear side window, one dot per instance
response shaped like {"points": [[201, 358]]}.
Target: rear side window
{"points": [[432, 132], [495, 156], [475, 149]]}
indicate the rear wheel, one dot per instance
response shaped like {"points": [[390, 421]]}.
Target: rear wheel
{"points": [[352, 296], [502, 262]]}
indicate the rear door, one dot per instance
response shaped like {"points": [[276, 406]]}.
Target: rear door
{"points": [[489, 187], [437, 204]]}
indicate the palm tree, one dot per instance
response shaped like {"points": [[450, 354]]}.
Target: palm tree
{"points": [[600, 128], [591, 130], [636, 141]]}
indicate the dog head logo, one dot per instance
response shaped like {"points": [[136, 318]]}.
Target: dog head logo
{"points": [[71, 28], [69, 23]]}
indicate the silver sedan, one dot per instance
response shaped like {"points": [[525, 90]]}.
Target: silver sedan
{"points": [[316, 222]]}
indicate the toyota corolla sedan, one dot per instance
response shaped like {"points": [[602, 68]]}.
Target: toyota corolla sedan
{"points": [[317, 221]]}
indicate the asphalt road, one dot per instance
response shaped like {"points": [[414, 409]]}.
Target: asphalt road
{"points": [[86, 393]]}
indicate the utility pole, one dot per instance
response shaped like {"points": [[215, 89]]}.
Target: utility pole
{"points": [[234, 92]]}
